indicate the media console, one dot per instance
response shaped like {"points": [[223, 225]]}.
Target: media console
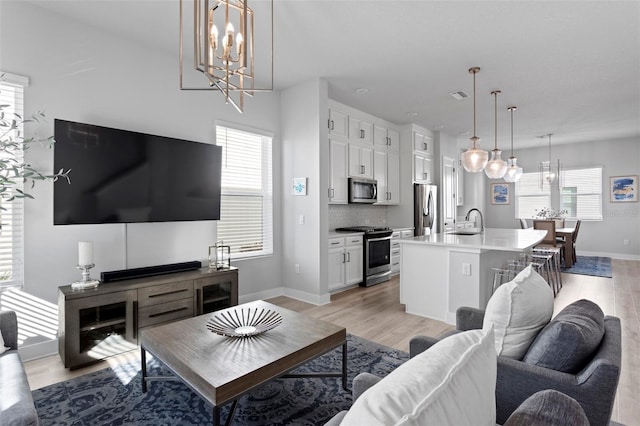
{"points": [[97, 323]]}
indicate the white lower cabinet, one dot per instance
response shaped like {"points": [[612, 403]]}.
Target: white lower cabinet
{"points": [[345, 261], [395, 247]]}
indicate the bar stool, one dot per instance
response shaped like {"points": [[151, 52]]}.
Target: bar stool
{"points": [[554, 264]]}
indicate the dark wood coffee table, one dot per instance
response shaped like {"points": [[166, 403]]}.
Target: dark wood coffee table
{"points": [[222, 369]]}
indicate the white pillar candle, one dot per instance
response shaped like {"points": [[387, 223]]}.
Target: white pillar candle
{"points": [[85, 253]]}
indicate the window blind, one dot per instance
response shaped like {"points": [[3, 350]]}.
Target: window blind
{"points": [[529, 196], [581, 193], [246, 207], [12, 212]]}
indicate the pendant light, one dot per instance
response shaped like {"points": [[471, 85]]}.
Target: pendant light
{"points": [[514, 172], [548, 174], [474, 159], [496, 167]]}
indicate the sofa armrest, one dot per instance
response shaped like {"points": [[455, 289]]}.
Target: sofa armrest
{"points": [[362, 382], [9, 327], [469, 318], [517, 380], [419, 344]]}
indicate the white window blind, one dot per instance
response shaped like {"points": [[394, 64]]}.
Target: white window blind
{"points": [[12, 212], [581, 193], [529, 196], [246, 208]]}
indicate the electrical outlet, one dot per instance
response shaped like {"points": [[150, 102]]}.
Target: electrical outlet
{"points": [[466, 269], [297, 268], [626, 242], [301, 219]]}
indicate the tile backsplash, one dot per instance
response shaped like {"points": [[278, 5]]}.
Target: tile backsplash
{"points": [[356, 215]]}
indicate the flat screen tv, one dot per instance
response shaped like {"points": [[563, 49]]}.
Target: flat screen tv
{"points": [[119, 176]]}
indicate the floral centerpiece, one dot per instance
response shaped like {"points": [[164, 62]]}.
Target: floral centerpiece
{"points": [[550, 213]]}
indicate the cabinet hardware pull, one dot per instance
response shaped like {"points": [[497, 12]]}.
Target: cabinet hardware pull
{"points": [[424, 175], [344, 258], [199, 307], [361, 134], [167, 292], [334, 243], [348, 257], [331, 124], [425, 146], [135, 320], [167, 312], [362, 169]]}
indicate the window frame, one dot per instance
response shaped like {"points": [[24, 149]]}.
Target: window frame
{"points": [[266, 193], [577, 195], [14, 257]]}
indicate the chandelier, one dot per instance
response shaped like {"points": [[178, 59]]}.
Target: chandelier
{"points": [[514, 172], [549, 173], [223, 48], [496, 167], [474, 159]]}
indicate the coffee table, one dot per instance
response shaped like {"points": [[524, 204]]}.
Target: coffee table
{"points": [[222, 369]]}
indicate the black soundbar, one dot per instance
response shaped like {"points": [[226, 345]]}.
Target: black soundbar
{"points": [[148, 271]]}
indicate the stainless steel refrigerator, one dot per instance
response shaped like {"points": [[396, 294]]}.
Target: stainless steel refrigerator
{"points": [[425, 209]]}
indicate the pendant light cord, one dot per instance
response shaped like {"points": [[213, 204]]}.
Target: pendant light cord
{"points": [[511, 109]]}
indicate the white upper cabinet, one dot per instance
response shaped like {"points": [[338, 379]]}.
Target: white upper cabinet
{"points": [[338, 172], [337, 123], [384, 137], [422, 168], [422, 143], [360, 130], [360, 161], [386, 166]]}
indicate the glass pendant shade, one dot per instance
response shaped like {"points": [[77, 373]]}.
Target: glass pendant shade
{"points": [[514, 172], [474, 159], [496, 167]]}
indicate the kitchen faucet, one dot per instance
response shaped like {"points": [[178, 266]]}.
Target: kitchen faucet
{"points": [[481, 218]]}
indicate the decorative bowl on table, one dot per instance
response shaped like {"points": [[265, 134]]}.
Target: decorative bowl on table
{"points": [[244, 322]]}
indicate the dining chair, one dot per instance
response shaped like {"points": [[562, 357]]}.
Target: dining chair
{"points": [[549, 226], [523, 223], [573, 241]]}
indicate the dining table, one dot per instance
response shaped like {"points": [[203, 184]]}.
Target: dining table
{"points": [[567, 235]]}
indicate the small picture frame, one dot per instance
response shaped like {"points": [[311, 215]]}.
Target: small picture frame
{"points": [[500, 193], [299, 186], [623, 189]]}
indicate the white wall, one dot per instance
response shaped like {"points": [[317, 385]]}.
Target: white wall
{"points": [[620, 220], [305, 154], [81, 74]]}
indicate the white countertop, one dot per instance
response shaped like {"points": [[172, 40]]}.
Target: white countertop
{"points": [[490, 239]]}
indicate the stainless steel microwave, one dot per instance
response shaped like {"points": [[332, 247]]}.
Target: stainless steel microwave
{"points": [[363, 190]]}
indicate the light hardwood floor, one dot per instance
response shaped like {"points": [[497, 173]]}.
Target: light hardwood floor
{"points": [[376, 314]]}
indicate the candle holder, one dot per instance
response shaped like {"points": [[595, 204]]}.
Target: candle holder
{"points": [[87, 282], [219, 256]]}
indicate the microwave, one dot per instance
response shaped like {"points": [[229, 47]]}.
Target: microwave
{"points": [[363, 190]]}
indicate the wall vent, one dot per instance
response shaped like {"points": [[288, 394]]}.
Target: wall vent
{"points": [[459, 95]]}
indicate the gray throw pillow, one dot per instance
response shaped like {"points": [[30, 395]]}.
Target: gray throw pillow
{"points": [[570, 339], [548, 407]]}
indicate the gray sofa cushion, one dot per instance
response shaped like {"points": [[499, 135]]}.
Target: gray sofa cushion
{"points": [[548, 407], [569, 341], [16, 406]]}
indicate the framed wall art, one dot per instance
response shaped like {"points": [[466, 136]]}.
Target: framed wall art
{"points": [[499, 193], [299, 186], [623, 189]]}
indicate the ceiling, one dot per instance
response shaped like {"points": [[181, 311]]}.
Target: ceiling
{"points": [[572, 68]]}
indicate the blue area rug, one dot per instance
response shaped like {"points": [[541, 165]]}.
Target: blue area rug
{"points": [[114, 396], [591, 265]]}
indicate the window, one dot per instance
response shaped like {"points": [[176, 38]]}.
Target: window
{"points": [[581, 193], [12, 213], [246, 207], [529, 196]]}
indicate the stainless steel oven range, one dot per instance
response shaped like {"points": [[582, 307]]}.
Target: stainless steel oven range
{"points": [[377, 253]]}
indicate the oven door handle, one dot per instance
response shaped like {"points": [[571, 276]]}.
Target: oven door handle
{"points": [[379, 239]]}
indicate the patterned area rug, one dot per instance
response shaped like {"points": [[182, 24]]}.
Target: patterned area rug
{"points": [[591, 265], [114, 397]]}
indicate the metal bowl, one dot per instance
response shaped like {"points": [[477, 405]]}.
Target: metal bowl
{"points": [[244, 322]]}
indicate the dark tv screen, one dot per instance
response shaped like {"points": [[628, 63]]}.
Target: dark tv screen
{"points": [[119, 176]]}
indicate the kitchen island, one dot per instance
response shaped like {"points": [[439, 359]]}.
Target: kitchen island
{"points": [[441, 272]]}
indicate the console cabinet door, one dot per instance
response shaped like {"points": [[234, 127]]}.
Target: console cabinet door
{"points": [[93, 328], [216, 292]]}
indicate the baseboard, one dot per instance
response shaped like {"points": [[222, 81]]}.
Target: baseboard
{"points": [[288, 292], [611, 255], [38, 350]]}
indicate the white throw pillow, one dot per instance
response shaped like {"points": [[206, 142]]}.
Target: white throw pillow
{"points": [[3, 348], [517, 311], [451, 383]]}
